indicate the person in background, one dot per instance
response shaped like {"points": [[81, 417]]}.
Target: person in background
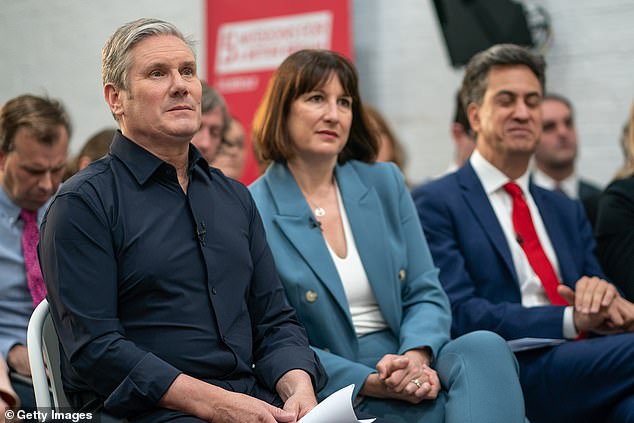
{"points": [[519, 260], [95, 148], [390, 148], [162, 288], [353, 259], [556, 153], [230, 157], [214, 122], [614, 229], [628, 159], [462, 136], [34, 134], [8, 397]]}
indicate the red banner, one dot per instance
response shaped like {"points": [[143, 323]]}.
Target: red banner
{"points": [[248, 39]]}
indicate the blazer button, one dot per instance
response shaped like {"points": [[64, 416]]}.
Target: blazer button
{"points": [[311, 296], [402, 274]]}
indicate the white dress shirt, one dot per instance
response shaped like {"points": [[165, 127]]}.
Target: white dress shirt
{"points": [[570, 185], [531, 288]]}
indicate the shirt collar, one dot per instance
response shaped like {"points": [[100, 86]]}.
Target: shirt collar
{"points": [[491, 177], [8, 206], [12, 210], [142, 163], [569, 185]]}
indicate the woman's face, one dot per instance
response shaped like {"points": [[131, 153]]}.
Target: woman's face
{"points": [[319, 121]]}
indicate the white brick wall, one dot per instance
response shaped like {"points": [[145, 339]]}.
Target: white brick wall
{"points": [[406, 73], [53, 47]]}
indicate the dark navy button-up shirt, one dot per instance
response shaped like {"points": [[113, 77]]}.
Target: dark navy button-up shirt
{"points": [[146, 281]]}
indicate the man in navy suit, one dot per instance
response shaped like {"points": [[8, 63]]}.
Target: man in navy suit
{"points": [[518, 260]]}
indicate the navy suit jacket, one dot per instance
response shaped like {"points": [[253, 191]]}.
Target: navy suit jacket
{"points": [[476, 268], [394, 254]]}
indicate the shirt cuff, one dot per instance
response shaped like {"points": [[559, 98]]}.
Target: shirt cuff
{"points": [[570, 332], [142, 388]]}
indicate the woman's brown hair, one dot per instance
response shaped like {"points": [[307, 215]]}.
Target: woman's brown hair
{"points": [[302, 72]]}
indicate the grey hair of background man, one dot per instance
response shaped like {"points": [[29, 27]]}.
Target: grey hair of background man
{"points": [[116, 55], [475, 81], [212, 99]]}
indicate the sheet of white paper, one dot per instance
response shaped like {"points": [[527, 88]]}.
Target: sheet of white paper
{"points": [[522, 344], [337, 408]]}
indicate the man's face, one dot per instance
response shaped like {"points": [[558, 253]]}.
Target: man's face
{"points": [[508, 122], [209, 136], [230, 157], [162, 102], [32, 171], [558, 144]]}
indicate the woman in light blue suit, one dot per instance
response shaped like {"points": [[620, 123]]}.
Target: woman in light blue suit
{"points": [[353, 259]]}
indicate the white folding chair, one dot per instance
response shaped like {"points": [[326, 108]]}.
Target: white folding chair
{"points": [[42, 343]]}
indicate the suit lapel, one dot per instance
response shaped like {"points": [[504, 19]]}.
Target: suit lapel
{"points": [[549, 215], [367, 222], [478, 200], [296, 221]]}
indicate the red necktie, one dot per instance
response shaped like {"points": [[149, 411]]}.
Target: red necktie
{"points": [[528, 240], [30, 238]]}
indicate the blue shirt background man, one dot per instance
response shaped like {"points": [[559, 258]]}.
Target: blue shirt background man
{"points": [[34, 134]]}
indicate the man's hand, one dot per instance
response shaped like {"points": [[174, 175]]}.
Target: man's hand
{"points": [[213, 404], [239, 408], [296, 390], [592, 293], [598, 307], [18, 360]]}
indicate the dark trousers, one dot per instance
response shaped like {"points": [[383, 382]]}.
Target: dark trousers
{"points": [[583, 381]]}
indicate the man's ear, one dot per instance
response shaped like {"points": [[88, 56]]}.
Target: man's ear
{"points": [[473, 114], [113, 95]]}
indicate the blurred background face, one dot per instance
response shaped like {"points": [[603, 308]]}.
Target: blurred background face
{"points": [[386, 145], [230, 157], [464, 143], [209, 136], [558, 143], [32, 171]]}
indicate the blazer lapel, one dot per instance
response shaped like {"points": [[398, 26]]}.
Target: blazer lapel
{"points": [[298, 224], [478, 200], [548, 213], [367, 222]]}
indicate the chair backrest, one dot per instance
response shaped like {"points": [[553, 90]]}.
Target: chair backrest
{"points": [[42, 342]]}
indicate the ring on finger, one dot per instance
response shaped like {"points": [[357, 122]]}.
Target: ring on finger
{"points": [[416, 382]]}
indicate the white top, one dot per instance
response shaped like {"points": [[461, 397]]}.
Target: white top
{"points": [[366, 314], [531, 288], [570, 185]]}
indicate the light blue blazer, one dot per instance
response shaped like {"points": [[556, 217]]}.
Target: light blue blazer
{"points": [[394, 253]]}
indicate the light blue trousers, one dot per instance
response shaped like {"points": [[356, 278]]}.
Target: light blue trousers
{"points": [[479, 378]]}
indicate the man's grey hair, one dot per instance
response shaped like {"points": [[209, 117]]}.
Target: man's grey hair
{"points": [[475, 81], [115, 56]]}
